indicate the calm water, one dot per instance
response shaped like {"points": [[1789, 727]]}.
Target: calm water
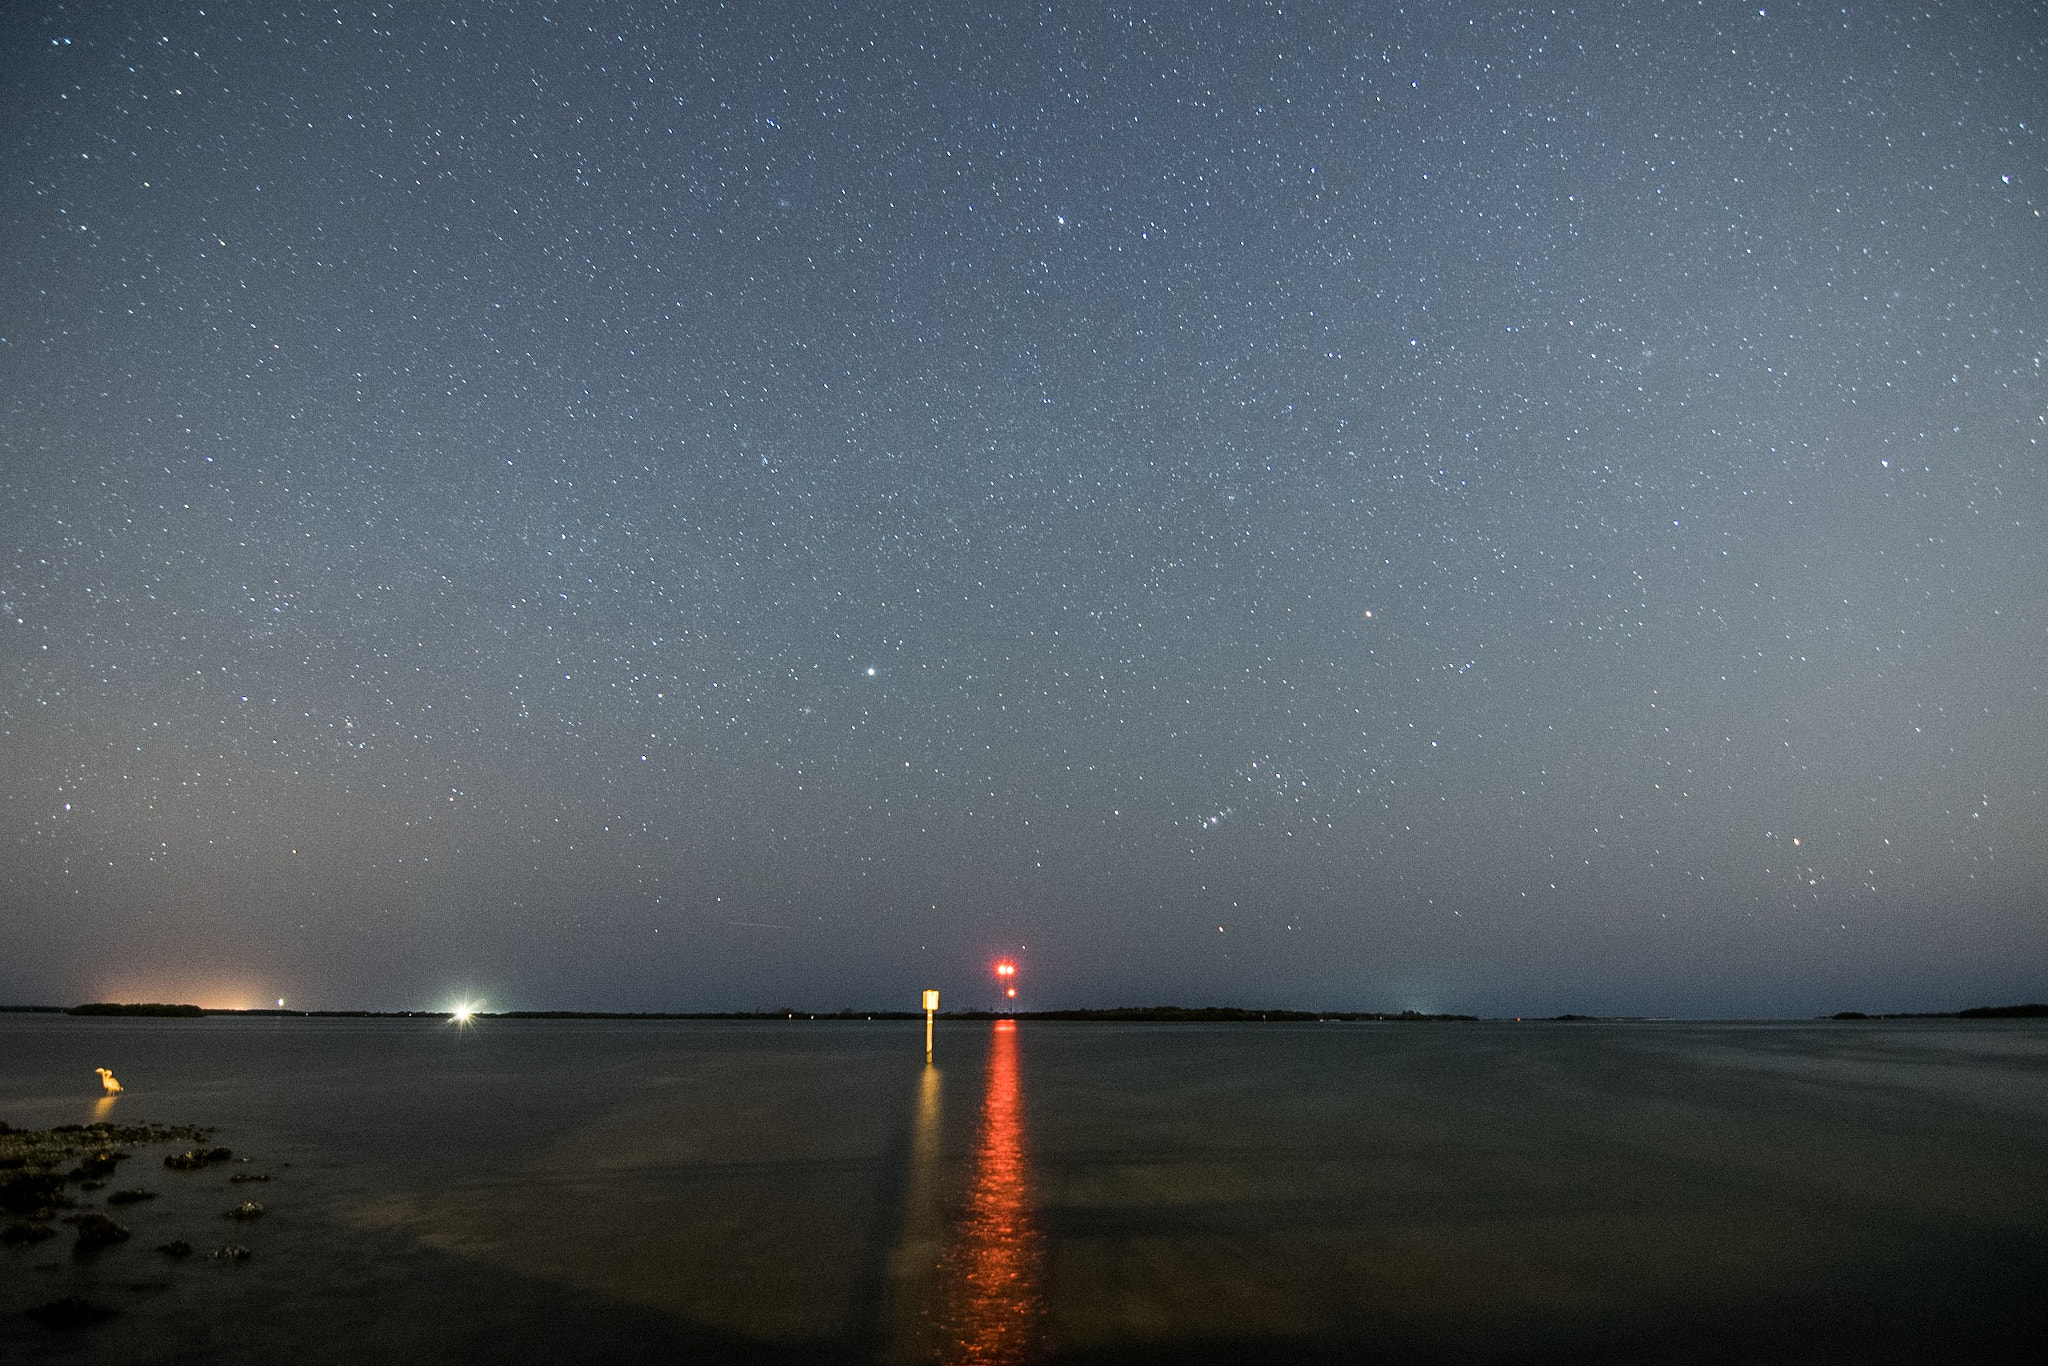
{"points": [[529, 1191]]}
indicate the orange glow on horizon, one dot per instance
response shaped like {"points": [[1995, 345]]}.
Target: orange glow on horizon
{"points": [[207, 991], [993, 1270]]}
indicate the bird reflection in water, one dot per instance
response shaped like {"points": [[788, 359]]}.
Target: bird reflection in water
{"points": [[995, 1298]]}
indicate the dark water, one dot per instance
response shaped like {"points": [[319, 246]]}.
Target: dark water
{"points": [[528, 1191]]}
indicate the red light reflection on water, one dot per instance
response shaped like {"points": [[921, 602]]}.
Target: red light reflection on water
{"points": [[993, 1269]]}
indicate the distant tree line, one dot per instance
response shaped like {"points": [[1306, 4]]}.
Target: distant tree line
{"points": [[1113, 1015], [2035, 1010]]}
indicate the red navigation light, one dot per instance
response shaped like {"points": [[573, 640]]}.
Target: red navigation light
{"points": [[1006, 969], [1011, 992]]}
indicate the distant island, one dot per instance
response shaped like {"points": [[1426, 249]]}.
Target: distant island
{"points": [[2034, 1010]]}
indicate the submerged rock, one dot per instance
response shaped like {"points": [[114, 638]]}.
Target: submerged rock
{"points": [[77, 1152], [31, 1192], [25, 1234], [130, 1197], [248, 1209], [97, 1231], [177, 1248], [232, 1253], [239, 1177], [70, 1312]]}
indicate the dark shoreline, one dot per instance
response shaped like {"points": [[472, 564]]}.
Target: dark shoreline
{"points": [[1141, 1014], [1114, 1015]]}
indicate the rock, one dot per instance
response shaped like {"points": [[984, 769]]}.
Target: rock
{"points": [[239, 1177], [30, 1192], [194, 1159], [180, 1248], [231, 1253], [130, 1197], [97, 1231], [248, 1209], [98, 1165], [26, 1234], [70, 1312]]}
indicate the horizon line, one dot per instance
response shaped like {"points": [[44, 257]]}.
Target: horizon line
{"points": [[1110, 1014]]}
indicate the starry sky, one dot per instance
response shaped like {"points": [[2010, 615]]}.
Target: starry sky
{"points": [[720, 506]]}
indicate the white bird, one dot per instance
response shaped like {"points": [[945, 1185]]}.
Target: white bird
{"points": [[107, 1080]]}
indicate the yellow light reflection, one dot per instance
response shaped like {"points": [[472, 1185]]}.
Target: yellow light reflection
{"points": [[103, 1108], [909, 1326], [993, 1271]]}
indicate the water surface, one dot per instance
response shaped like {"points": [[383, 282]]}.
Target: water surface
{"points": [[810, 1191]]}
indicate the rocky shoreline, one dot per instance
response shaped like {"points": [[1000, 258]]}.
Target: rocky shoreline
{"points": [[48, 1176]]}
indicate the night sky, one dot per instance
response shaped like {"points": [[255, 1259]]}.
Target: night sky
{"points": [[725, 506]]}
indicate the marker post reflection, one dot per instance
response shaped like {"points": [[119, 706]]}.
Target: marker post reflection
{"points": [[913, 1313]]}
